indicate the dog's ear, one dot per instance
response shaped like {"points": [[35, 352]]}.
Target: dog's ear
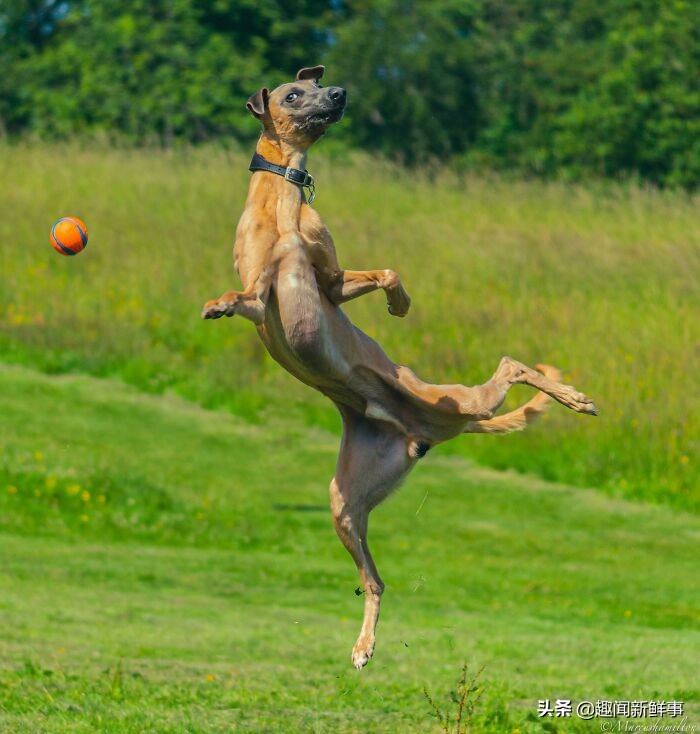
{"points": [[257, 103], [310, 72]]}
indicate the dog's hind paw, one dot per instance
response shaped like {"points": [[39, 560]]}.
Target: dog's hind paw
{"points": [[570, 397], [362, 652]]}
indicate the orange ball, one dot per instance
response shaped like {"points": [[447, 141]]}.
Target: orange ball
{"points": [[69, 236]]}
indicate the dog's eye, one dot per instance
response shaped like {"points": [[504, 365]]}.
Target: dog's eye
{"points": [[291, 97]]}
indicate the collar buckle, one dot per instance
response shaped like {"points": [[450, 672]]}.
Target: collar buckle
{"points": [[298, 177]]}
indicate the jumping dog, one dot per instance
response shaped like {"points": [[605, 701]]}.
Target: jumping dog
{"points": [[293, 289]]}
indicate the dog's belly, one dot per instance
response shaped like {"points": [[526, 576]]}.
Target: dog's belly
{"points": [[308, 335], [300, 340], [351, 369], [316, 342]]}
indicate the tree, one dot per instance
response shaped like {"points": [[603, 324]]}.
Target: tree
{"points": [[408, 68], [642, 115], [570, 88]]}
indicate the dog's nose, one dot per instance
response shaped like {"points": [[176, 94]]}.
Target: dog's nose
{"points": [[337, 94]]}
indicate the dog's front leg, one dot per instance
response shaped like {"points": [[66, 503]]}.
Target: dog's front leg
{"points": [[250, 303], [343, 285], [349, 284]]}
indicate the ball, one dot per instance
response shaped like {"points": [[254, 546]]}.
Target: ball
{"points": [[69, 236]]}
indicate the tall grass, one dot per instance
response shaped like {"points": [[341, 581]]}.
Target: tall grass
{"points": [[602, 282]]}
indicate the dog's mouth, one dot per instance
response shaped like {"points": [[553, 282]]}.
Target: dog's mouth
{"points": [[324, 117], [337, 113]]}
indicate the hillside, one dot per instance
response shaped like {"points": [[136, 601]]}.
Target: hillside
{"points": [[167, 568]]}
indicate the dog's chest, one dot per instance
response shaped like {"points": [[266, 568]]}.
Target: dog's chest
{"points": [[314, 233]]}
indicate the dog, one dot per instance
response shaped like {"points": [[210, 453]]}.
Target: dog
{"points": [[293, 289]]}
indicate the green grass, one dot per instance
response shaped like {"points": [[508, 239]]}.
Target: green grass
{"points": [[206, 591], [602, 282]]}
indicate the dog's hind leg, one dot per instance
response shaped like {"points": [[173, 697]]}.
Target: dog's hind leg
{"points": [[511, 372], [372, 462], [481, 401]]}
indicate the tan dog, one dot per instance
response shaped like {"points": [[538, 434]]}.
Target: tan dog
{"points": [[293, 288]]}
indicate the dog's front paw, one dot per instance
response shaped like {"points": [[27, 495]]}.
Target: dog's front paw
{"points": [[399, 303], [224, 306], [212, 310]]}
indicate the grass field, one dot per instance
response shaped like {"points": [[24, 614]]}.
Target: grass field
{"points": [[167, 560], [157, 576], [602, 282]]}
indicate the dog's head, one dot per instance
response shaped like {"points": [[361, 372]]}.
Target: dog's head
{"points": [[299, 112]]}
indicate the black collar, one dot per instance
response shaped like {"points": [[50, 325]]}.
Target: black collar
{"points": [[294, 175]]}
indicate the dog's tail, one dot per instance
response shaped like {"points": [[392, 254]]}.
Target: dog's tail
{"points": [[521, 417]]}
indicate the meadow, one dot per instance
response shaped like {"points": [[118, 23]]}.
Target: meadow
{"points": [[600, 281], [167, 560], [157, 576]]}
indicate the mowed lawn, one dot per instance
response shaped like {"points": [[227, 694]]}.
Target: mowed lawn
{"points": [[165, 568]]}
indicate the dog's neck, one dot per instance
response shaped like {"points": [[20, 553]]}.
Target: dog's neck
{"points": [[280, 153], [284, 198]]}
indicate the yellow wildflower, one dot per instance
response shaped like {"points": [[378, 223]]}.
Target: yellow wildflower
{"points": [[85, 496], [12, 489], [73, 489]]}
